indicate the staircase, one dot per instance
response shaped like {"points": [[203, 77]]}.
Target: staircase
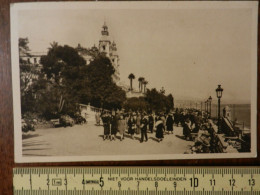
{"points": [[89, 112]]}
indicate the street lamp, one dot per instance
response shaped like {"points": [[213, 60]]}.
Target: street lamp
{"points": [[219, 91], [207, 106], [210, 99]]}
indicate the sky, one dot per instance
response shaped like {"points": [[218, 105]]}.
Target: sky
{"points": [[186, 51]]}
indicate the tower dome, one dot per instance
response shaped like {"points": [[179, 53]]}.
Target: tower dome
{"points": [[104, 31], [104, 42]]}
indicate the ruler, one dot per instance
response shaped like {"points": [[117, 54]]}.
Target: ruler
{"points": [[136, 180]]}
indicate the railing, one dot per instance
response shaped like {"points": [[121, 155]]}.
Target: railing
{"points": [[93, 109]]}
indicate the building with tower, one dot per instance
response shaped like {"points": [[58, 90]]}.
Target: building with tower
{"points": [[106, 47], [109, 48]]}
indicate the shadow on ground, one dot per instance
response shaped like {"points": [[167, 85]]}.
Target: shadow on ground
{"points": [[27, 136], [35, 155], [154, 139], [181, 137], [30, 149]]}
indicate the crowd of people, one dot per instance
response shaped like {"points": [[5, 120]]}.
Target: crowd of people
{"points": [[135, 123], [139, 123]]}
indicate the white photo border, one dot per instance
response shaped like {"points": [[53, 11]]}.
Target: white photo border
{"points": [[16, 7]]}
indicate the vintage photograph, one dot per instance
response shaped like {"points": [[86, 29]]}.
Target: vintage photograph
{"points": [[95, 81]]}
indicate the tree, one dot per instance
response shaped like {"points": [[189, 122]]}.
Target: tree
{"points": [[136, 104], [131, 77], [141, 79], [63, 77], [29, 74], [104, 92], [145, 83], [61, 60], [162, 90], [158, 101], [54, 45], [170, 102], [25, 68]]}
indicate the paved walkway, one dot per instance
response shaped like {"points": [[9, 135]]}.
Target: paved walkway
{"points": [[87, 139]]}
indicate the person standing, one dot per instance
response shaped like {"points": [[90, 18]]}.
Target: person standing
{"points": [[144, 125], [177, 118], [187, 129], [138, 123], [131, 126], [159, 129], [106, 124], [151, 122], [169, 123], [114, 127], [163, 120], [97, 116], [121, 126]]}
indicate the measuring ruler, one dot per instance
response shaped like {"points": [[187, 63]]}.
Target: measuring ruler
{"points": [[136, 180]]}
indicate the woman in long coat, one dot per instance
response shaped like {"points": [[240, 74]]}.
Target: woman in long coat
{"points": [[131, 126], [121, 127], [106, 119], [159, 129], [169, 123], [114, 127], [151, 123]]}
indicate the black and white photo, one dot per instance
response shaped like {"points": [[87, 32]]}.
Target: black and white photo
{"points": [[96, 81]]}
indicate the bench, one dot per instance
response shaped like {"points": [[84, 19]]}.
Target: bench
{"points": [[55, 122]]}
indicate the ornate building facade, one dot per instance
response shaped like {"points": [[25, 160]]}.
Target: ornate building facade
{"points": [[106, 47], [109, 48]]}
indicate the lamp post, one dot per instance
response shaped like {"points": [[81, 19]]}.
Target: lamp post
{"points": [[210, 100], [205, 106], [201, 106], [219, 91]]}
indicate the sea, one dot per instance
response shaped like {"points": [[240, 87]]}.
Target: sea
{"points": [[239, 112]]}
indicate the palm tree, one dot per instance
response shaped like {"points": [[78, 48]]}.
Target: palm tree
{"points": [[131, 77], [145, 83], [162, 90], [54, 45], [141, 79]]}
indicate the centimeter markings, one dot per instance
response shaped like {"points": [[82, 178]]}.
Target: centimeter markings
{"points": [[138, 170], [108, 180], [129, 192]]}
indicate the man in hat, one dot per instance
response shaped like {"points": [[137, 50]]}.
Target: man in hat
{"points": [[144, 125], [114, 127]]}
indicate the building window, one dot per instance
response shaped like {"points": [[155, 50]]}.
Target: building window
{"points": [[35, 60], [28, 60], [104, 47]]}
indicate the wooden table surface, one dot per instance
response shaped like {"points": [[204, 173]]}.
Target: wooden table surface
{"points": [[6, 122]]}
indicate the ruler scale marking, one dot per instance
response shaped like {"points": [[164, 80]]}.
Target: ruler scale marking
{"points": [[153, 180]]}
